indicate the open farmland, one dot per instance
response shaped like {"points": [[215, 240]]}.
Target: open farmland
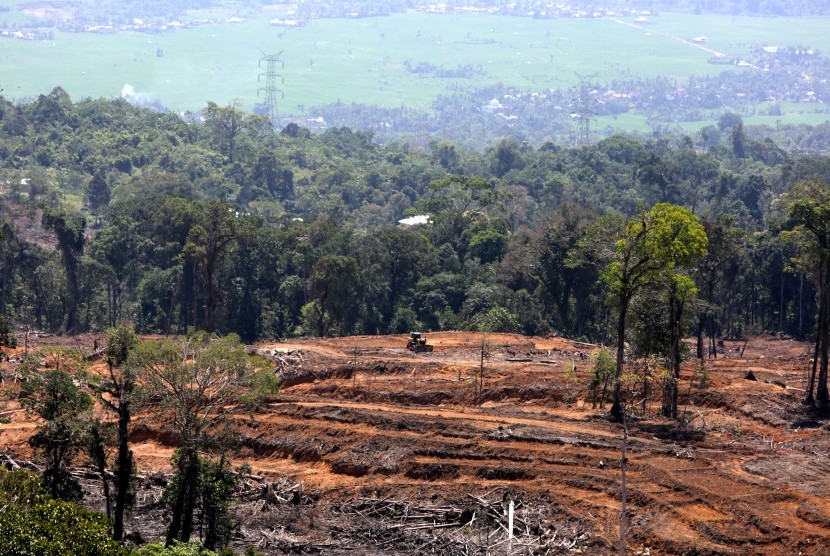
{"points": [[363, 60], [391, 452]]}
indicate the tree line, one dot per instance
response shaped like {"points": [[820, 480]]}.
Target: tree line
{"points": [[216, 221]]}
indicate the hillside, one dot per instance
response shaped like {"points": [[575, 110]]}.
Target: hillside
{"points": [[396, 453]]}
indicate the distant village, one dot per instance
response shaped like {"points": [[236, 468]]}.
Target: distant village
{"points": [[46, 20], [537, 10], [137, 25]]}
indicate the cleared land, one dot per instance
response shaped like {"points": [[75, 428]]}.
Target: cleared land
{"points": [[391, 452], [362, 60]]}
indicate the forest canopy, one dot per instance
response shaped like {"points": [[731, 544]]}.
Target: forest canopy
{"points": [[219, 222]]}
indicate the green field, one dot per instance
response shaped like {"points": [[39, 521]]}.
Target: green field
{"points": [[362, 60]]}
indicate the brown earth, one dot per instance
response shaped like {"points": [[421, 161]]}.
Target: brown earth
{"points": [[391, 452]]}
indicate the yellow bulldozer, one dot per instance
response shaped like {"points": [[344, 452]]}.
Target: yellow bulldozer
{"points": [[417, 343]]}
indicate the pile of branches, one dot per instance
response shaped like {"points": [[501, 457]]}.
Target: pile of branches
{"points": [[475, 525], [255, 487]]}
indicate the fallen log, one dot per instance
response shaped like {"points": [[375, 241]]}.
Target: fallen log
{"points": [[95, 355]]}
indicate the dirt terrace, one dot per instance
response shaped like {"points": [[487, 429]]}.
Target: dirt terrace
{"points": [[400, 453]]}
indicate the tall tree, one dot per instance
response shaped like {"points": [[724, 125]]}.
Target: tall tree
{"points": [[98, 192], [723, 246], [334, 288], [68, 227], [195, 380], [226, 123], [680, 289], [207, 243], [563, 287], [649, 244], [391, 260], [115, 391], [809, 207]]}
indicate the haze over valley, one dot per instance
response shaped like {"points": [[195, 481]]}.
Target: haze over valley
{"points": [[419, 70]]}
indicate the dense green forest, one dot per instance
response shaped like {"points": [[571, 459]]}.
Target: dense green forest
{"points": [[221, 223], [226, 225]]}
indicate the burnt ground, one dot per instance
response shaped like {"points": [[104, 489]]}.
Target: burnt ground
{"points": [[371, 449]]}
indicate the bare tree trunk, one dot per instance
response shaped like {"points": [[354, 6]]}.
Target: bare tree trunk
{"points": [[176, 518], [191, 478], [801, 307], [822, 394], [74, 296], [124, 473], [110, 310], [100, 460], [670, 387], [823, 335], [616, 409], [811, 387], [181, 524], [210, 297], [781, 301]]}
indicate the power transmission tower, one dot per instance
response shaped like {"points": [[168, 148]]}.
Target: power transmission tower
{"points": [[270, 74], [421, 137], [584, 109]]}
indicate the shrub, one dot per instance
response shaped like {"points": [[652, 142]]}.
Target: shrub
{"points": [[34, 524]]}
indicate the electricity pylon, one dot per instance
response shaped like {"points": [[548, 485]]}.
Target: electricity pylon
{"points": [[584, 109], [270, 74]]}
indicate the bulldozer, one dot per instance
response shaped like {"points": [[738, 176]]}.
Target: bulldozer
{"points": [[418, 344]]}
